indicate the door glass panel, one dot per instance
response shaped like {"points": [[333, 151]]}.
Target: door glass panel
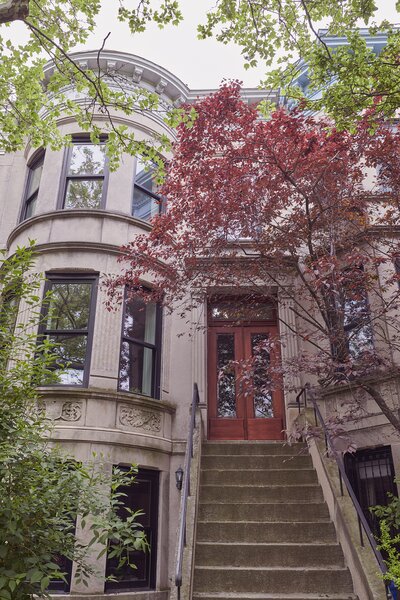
{"points": [[226, 392], [261, 383]]}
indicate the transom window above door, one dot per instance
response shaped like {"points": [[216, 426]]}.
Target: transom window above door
{"points": [[85, 176], [246, 309]]}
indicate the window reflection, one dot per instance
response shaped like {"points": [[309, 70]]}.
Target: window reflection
{"points": [[226, 387], [146, 202], [32, 189], [85, 176], [261, 381], [67, 327], [139, 353]]}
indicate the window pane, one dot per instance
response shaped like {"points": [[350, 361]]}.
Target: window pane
{"points": [[140, 320], [136, 368], [226, 392], [69, 306], [87, 159], [84, 193], [261, 384], [144, 206], [31, 207], [71, 353], [145, 176], [34, 179]]}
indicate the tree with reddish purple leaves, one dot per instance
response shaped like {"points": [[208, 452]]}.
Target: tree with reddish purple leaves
{"points": [[279, 208]]}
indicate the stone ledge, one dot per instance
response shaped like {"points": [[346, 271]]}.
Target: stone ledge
{"points": [[77, 214]]}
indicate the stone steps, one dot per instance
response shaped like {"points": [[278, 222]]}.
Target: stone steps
{"points": [[263, 511], [271, 554], [250, 448], [263, 529], [304, 580], [249, 596], [263, 477], [261, 493], [283, 531], [256, 461]]}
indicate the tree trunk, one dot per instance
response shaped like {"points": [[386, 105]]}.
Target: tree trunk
{"points": [[389, 413], [12, 10]]}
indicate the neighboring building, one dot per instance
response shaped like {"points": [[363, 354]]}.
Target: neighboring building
{"points": [[128, 387]]}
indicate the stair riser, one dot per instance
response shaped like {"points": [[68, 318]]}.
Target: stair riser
{"points": [[275, 581], [250, 555], [263, 512], [242, 494], [250, 448], [273, 477], [238, 533], [256, 462]]}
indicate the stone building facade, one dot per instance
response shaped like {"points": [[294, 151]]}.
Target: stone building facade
{"points": [[128, 389]]}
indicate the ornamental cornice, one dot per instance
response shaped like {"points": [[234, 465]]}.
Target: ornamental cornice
{"points": [[134, 69]]}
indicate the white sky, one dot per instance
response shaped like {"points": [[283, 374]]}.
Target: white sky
{"points": [[198, 63]]}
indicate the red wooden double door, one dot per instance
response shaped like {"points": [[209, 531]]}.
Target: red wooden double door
{"points": [[242, 405]]}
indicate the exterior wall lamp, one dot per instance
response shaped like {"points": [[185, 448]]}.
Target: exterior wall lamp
{"points": [[179, 478]]}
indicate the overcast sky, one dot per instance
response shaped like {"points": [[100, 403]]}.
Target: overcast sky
{"points": [[198, 63]]}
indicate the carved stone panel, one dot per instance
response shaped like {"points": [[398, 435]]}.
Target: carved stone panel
{"points": [[57, 410], [135, 417]]}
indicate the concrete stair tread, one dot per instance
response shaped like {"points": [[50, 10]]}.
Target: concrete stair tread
{"points": [[251, 596], [266, 523], [270, 544], [301, 569]]}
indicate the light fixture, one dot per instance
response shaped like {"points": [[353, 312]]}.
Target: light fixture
{"points": [[179, 478]]}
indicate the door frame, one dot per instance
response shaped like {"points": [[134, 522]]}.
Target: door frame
{"points": [[242, 426]]}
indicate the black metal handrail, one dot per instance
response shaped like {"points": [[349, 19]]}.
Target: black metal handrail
{"points": [[186, 490], [391, 590]]}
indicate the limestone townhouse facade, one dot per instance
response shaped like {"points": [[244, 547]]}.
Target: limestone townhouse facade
{"points": [[128, 388]]}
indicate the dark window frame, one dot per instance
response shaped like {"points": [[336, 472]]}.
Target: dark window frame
{"points": [[69, 277], [152, 476], [36, 161], [353, 464], [161, 201], [65, 178], [156, 348]]}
